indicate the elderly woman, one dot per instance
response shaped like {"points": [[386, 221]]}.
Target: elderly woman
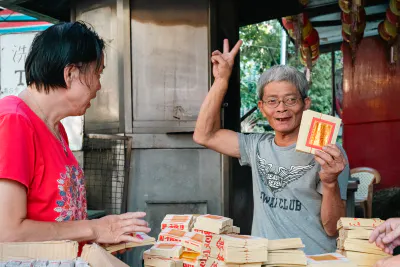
{"points": [[42, 187]]}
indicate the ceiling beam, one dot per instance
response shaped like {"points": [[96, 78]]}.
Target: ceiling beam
{"points": [[251, 11]]}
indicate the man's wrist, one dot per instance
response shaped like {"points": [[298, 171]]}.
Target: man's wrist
{"points": [[222, 81], [330, 185]]}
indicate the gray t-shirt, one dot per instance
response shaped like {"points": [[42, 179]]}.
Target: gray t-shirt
{"points": [[287, 192]]}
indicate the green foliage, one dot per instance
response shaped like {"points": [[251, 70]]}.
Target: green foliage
{"points": [[260, 51]]}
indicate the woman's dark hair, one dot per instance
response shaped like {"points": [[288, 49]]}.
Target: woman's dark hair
{"points": [[58, 46]]}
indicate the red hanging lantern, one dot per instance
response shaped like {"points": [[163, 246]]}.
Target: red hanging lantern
{"points": [[345, 5], [310, 50], [305, 50], [306, 37], [304, 62], [392, 18], [289, 23], [347, 22], [382, 32], [390, 29], [345, 36], [394, 7], [304, 2], [361, 16], [312, 40]]}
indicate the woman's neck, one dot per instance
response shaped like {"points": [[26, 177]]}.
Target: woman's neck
{"points": [[49, 107]]}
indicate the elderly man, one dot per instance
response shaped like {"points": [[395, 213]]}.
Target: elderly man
{"points": [[295, 194]]}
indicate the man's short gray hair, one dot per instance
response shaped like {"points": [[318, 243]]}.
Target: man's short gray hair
{"points": [[283, 73]]}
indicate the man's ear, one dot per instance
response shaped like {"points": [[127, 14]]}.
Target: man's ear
{"points": [[69, 72], [307, 103], [260, 105]]}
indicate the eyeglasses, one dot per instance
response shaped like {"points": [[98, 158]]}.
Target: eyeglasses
{"points": [[274, 102]]}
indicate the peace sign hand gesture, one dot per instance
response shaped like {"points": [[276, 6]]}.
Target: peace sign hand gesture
{"points": [[223, 62]]}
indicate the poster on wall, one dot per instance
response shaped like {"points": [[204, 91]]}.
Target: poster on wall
{"points": [[14, 49]]}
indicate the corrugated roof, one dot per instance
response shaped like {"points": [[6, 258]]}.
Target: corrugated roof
{"points": [[14, 22]]}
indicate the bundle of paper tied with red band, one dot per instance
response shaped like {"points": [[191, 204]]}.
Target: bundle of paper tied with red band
{"points": [[353, 241], [180, 222]]}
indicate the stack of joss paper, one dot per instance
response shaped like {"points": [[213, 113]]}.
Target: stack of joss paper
{"points": [[285, 252], [180, 222], [213, 242], [353, 241]]}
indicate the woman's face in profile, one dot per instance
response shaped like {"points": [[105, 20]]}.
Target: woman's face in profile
{"points": [[84, 87]]}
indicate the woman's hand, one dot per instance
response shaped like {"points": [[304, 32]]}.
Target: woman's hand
{"points": [[114, 229]]}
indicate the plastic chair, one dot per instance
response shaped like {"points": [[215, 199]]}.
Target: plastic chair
{"points": [[363, 196]]}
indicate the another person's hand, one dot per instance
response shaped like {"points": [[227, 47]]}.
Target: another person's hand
{"points": [[114, 229], [387, 235], [332, 163], [223, 62], [388, 262]]}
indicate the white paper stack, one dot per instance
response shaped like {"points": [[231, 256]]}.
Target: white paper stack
{"points": [[353, 241], [194, 241], [286, 252], [235, 230], [159, 261], [180, 222], [213, 223], [172, 235], [166, 249]]}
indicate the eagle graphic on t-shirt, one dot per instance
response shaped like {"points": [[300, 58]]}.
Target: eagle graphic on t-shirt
{"points": [[276, 181]]}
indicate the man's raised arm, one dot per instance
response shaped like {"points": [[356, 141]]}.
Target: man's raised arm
{"points": [[208, 130]]}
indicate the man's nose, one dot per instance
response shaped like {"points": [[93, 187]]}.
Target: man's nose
{"points": [[281, 107]]}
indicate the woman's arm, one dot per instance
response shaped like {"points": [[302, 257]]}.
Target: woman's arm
{"points": [[15, 227]]}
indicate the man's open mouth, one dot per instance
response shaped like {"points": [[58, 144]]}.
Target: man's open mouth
{"points": [[283, 119]]}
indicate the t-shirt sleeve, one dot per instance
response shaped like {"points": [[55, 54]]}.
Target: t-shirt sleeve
{"points": [[17, 149], [248, 145], [343, 178]]}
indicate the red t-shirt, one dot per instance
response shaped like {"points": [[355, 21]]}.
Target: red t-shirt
{"points": [[31, 155]]}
